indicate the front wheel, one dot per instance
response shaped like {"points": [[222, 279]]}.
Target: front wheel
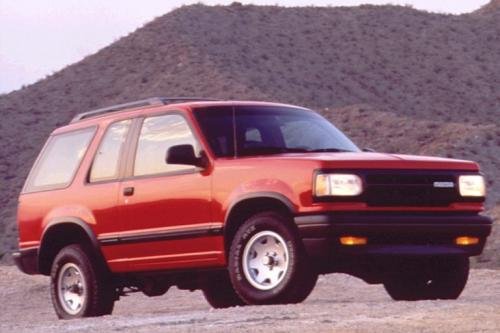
{"points": [[437, 278], [78, 287], [267, 262], [219, 292]]}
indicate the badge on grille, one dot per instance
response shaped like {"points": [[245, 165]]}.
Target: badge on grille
{"points": [[444, 184]]}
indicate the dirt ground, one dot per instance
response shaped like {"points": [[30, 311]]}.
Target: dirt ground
{"points": [[339, 303]]}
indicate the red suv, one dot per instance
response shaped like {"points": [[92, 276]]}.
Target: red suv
{"points": [[247, 201]]}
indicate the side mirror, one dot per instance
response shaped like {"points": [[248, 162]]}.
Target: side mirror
{"points": [[184, 154]]}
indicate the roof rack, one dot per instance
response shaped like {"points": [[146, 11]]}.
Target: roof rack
{"points": [[153, 101]]}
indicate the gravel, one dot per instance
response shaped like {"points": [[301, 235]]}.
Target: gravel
{"points": [[339, 303]]}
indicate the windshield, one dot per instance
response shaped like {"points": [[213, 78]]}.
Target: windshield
{"points": [[262, 130]]}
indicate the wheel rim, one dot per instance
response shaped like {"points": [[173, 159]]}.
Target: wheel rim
{"points": [[71, 288], [265, 260]]}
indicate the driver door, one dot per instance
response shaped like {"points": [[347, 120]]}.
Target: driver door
{"points": [[165, 208]]}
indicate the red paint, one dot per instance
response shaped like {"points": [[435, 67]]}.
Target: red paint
{"points": [[198, 199]]}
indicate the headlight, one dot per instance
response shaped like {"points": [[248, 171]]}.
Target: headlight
{"points": [[471, 186], [336, 184]]}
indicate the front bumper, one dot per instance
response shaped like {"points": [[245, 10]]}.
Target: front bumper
{"points": [[27, 260], [392, 234]]}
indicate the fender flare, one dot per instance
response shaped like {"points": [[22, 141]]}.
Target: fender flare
{"points": [[260, 195], [55, 222]]}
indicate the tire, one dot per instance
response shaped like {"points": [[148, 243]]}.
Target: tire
{"points": [[439, 278], [92, 293], [304, 289], [219, 292], [267, 262]]}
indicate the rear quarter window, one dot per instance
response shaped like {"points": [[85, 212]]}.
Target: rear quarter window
{"points": [[59, 160]]}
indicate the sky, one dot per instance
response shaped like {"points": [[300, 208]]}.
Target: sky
{"points": [[40, 37]]}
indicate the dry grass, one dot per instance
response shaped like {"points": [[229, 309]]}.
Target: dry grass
{"points": [[394, 78]]}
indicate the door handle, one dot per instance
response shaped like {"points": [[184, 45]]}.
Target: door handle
{"points": [[128, 191]]}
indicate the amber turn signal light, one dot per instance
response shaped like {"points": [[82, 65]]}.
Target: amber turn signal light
{"points": [[466, 240], [351, 240]]}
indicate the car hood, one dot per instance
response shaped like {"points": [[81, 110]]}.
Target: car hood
{"points": [[372, 160]]}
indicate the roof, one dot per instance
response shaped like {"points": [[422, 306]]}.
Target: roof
{"points": [[135, 104], [97, 116]]}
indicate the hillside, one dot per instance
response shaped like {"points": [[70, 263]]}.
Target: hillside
{"points": [[491, 7], [394, 78]]}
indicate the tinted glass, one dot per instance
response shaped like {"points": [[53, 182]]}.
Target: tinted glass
{"points": [[158, 134], [59, 160], [217, 126], [106, 161], [269, 130]]}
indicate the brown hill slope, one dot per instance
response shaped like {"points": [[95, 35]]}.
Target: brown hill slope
{"points": [[427, 83], [492, 6]]}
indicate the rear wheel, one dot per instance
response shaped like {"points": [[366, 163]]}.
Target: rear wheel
{"points": [[78, 287], [438, 278], [219, 292], [267, 262]]}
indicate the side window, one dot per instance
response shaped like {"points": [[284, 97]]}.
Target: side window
{"points": [[106, 161], [59, 161], [158, 134]]}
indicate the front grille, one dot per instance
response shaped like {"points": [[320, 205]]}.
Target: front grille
{"points": [[409, 188]]}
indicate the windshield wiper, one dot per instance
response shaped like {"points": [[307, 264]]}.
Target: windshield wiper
{"points": [[329, 150], [263, 150], [271, 150]]}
